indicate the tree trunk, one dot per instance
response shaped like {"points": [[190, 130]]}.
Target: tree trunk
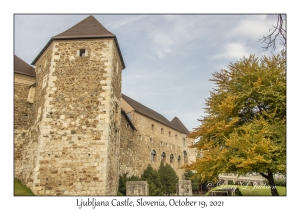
{"points": [[270, 178]]}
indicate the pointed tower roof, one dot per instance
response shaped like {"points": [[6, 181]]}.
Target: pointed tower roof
{"points": [[89, 28], [179, 125]]}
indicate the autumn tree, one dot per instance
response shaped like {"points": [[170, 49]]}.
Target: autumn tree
{"points": [[244, 130]]}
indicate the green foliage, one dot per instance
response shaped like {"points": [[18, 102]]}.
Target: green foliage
{"points": [[189, 175], [122, 183], [245, 127], [152, 177], [168, 178], [160, 182], [20, 189]]}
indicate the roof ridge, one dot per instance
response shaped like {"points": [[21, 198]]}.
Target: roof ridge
{"points": [[137, 106], [88, 27], [144, 106], [182, 127]]}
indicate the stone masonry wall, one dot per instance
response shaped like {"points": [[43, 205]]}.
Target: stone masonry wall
{"points": [[21, 118], [115, 74], [136, 149], [129, 149], [30, 160], [74, 138]]}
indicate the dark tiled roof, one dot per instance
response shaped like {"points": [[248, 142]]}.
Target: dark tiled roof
{"points": [[21, 67], [178, 124], [150, 113], [89, 28]]}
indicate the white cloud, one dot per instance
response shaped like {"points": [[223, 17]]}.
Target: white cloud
{"points": [[234, 50], [125, 21], [253, 27], [169, 40]]}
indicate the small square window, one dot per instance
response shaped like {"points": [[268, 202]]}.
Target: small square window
{"points": [[82, 52]]}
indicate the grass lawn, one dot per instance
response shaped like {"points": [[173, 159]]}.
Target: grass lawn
{"points": [[255, 191], [20, 189]]}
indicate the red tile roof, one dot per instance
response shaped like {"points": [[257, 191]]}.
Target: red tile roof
{"points": [[21, 67], [89, 28]]}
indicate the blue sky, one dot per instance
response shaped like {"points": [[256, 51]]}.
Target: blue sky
{"points": [[169, 58]]}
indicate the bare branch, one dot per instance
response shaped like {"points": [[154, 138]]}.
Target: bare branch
{"points": [[277, 32]]}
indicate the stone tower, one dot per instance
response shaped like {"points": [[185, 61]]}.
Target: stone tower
{"points": [[72, 145]]}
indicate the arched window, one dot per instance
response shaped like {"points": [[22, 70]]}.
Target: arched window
{"points": [[163, 157], [171, 158], [185, 157], [179, 158], [153, 155]]}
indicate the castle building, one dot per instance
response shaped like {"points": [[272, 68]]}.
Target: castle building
{"points": [[74, 132]]}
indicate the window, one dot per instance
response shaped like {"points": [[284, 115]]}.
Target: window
{"points": [[163, 157], [169, 133], [175, 136], [184, 142], [161, 144], [81, 52], [153, 155], [152, 127], [185, 157], [151, 140], [171, 158], [140, 137], [179, 158], [162, 131], [129, 115]]}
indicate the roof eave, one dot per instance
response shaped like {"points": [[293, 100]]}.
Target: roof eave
{"points": [[27, 74], [80, 37]]}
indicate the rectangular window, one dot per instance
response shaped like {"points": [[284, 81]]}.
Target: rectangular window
{"points": [[81, 52]]}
